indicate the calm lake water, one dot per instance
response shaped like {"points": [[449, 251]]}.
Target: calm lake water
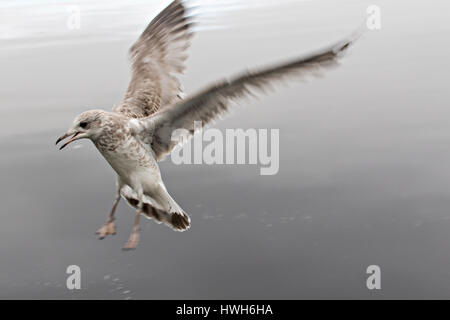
{"points": [[364, 151]]}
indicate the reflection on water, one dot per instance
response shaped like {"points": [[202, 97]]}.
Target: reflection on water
{"points": [[363, 170]]}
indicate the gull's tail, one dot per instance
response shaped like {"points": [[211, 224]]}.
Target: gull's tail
{"points": [[175, 218]]}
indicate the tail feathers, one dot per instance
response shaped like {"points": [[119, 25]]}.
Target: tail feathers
{"points": [[178, 221]]}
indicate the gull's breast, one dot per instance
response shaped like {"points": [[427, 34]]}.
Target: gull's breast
{"points": [[129, 157]]}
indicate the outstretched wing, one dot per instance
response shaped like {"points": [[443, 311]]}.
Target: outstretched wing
{"points": [[209, 104], [157, 57]]}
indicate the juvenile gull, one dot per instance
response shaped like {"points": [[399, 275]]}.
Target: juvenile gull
{"points": [[137, 133]]}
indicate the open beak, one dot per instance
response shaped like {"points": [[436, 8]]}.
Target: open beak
{"points": [[72, 139]]}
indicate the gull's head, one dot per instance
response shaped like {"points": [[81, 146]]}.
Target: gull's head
{"points": [[87, 125]]}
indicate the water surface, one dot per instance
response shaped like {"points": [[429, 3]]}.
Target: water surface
{"points": [[364, 157]]}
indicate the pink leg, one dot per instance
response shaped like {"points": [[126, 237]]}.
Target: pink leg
{"points": [[109, 228], [133, 241]]}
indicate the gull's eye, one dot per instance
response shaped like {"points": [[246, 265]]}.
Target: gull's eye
{"points": [[83, 124]]}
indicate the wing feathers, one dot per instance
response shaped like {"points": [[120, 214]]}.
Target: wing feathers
{"points": [[157, 57], [214, 101]]}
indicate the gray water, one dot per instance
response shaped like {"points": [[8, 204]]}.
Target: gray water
{"points": [[364, 155]]}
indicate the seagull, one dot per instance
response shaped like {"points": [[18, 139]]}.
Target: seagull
{"points": [[137, 134]]}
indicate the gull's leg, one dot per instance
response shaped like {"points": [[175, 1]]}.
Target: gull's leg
{"points": [[133, 241], [109, 228]]}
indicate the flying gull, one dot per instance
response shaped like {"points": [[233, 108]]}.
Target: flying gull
{"points": [[136, 135]]}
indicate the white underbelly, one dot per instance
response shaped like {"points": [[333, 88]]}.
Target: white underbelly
{"points": [[135, 172]]}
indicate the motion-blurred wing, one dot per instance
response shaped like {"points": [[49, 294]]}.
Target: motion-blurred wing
{"points": [[209, 104], [157, 57]]}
